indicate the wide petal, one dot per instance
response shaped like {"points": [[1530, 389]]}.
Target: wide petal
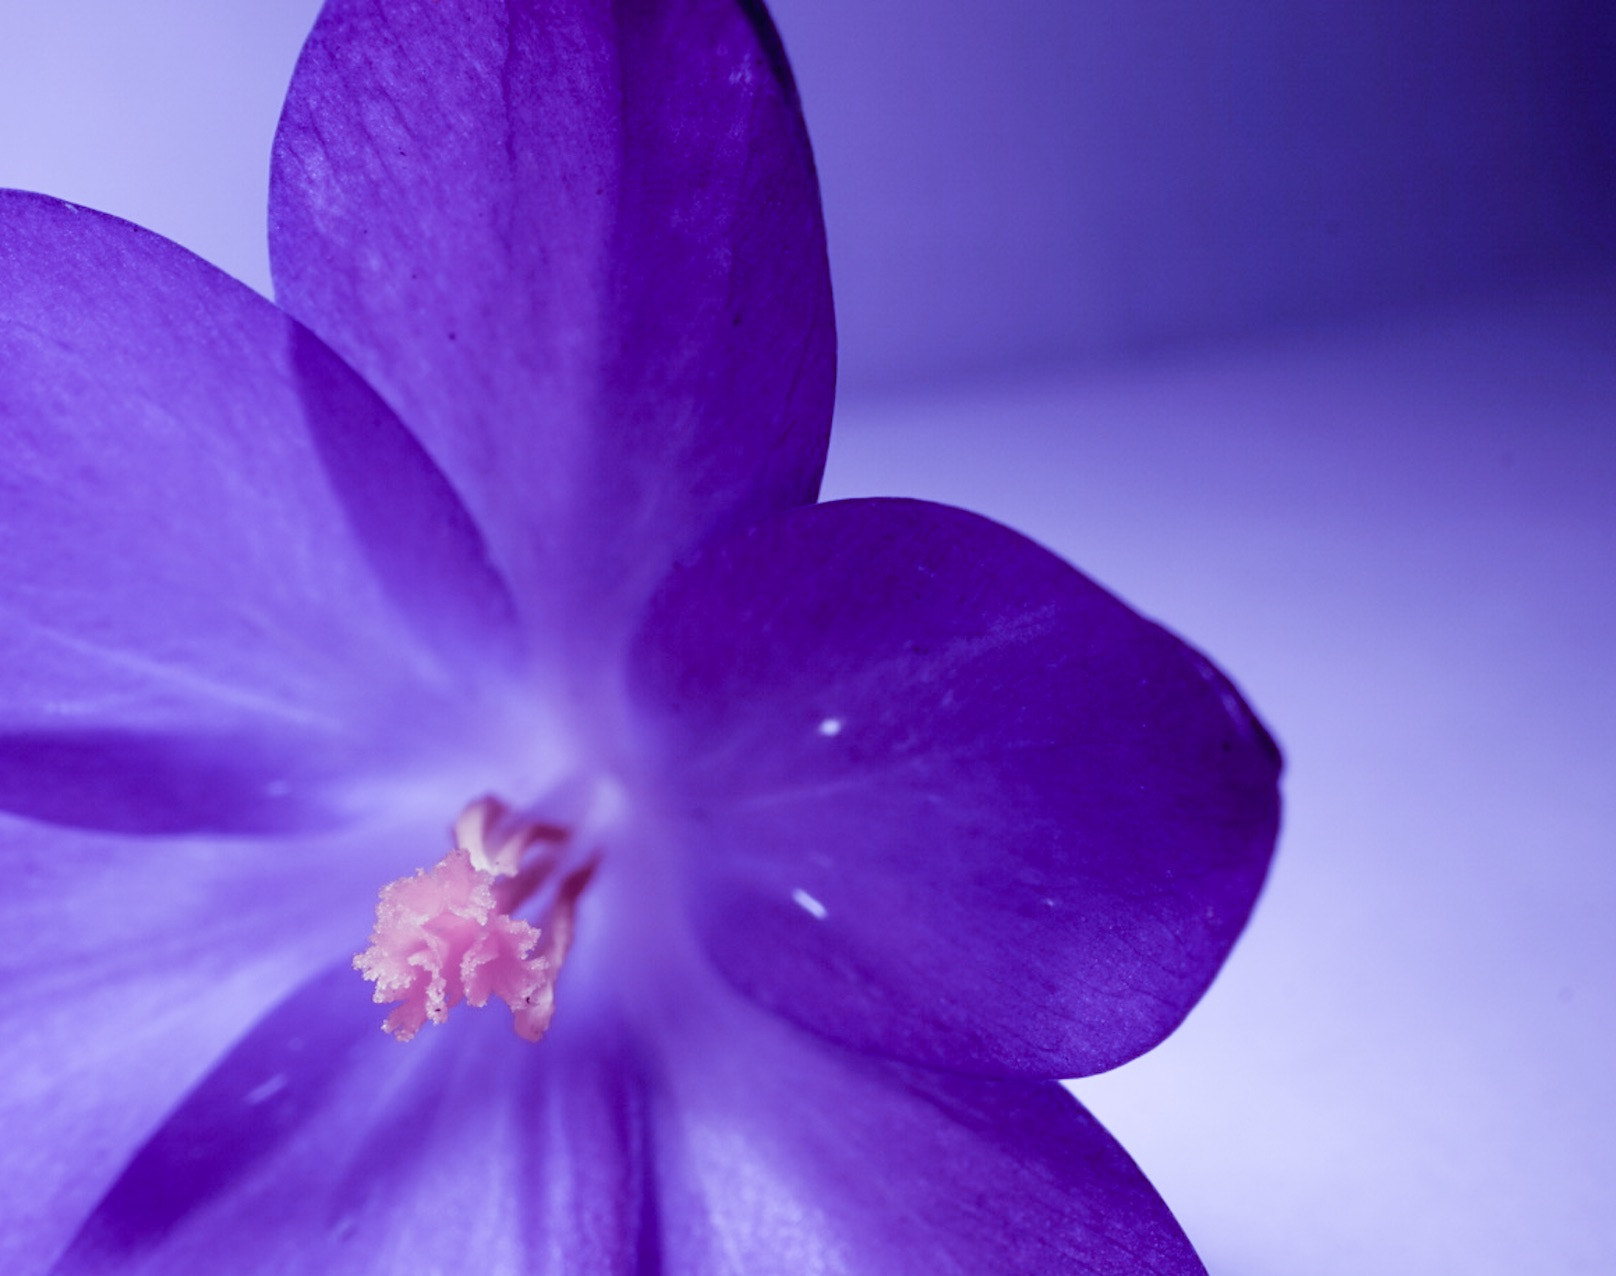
{"points": [[129, 966], [232, 586], [577, 244], [322, 1145], [779, 1153], [941, 797]]}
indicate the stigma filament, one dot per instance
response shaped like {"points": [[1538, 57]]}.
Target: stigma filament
{"points": [[447, 934]]}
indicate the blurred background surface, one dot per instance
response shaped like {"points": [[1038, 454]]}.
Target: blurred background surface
{"points": [[1295, 324], [1008, 186]]}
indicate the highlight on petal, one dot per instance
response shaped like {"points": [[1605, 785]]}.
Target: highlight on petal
{"points": [[779, 1153], [232, 585], [577, 244], [941, 797]]}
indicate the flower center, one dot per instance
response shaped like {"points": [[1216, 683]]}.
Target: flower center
{"points": [[448, 934]]}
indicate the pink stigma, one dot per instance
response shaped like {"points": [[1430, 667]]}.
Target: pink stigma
{"points": [[446, 935]]}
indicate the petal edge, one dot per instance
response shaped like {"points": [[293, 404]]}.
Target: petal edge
{"points": [[941, 797]]}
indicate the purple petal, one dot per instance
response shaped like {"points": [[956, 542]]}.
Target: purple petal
{"points": [[578, 246], [129, 966], [780, 1153], [231, 582], [322, 1145], [944, 798]]}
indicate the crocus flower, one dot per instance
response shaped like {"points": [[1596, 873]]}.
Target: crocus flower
{"points": [[807, 843]]}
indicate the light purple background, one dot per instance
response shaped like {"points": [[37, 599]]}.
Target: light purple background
{"points": [[1296, 324]]}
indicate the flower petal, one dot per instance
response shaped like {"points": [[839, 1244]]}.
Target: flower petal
{"points": [[944, 798], [230, 578], [129, 966], [578, 246], [780, 1153], [322, 1145]]}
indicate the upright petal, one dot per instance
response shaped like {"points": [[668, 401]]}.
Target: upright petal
{"points": [[577, 244], [942, 797], [779, 1154], [229, 579]]}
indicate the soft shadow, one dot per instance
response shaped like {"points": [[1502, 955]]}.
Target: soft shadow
{"points": [[152, 783]]}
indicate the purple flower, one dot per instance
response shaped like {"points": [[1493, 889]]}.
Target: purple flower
{"points": [[864, 819]]}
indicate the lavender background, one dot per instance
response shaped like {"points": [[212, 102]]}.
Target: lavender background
{"points": [[1296, 324]]}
